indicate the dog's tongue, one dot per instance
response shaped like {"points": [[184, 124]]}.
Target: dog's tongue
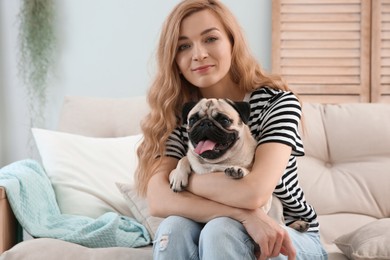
{"points": [[203, 146]]}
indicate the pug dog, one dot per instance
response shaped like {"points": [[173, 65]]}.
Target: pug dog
{"points": [[219, 140]]}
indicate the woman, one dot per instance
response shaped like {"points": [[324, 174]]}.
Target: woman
{"points": [[202, 53]]}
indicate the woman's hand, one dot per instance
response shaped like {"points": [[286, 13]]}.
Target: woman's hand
{"points": [[272, 238]]}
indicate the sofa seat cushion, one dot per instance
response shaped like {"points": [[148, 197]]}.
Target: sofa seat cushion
{"points": [[47, 248]]}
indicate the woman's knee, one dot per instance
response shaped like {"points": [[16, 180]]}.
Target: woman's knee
{"points": [[225, 232], [173, 223], [223, 226], [177, 229], [227, 239]]}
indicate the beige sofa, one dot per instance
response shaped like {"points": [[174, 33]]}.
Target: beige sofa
{"points": [[345, 175]]}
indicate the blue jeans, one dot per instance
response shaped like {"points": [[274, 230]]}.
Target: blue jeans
{"points": [[221, 238]]}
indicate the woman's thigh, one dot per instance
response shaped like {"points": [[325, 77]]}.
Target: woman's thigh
{"points": [[221, 238]]}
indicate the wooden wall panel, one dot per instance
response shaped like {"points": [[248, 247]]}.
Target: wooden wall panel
{"points": [[322, 48], [380, 81]]}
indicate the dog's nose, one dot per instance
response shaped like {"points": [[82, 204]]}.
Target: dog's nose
{"points": [[207, 123]]}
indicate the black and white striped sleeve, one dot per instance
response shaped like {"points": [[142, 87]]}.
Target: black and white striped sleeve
{"points": [[176, 145], [280, 121]]}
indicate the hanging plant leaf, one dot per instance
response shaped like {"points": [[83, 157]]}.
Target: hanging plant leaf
{"points": [[36, 44]]}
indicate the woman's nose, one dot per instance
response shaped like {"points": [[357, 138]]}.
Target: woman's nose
{"points": [[199, 53]]}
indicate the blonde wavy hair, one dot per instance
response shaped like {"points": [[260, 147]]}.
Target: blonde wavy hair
{"points": [[170, 90]]}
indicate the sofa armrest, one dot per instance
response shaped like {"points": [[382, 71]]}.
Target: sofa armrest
{"points": [[8, 224]]}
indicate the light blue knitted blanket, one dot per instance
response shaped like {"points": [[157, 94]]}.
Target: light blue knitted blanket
{"points": [[34, 204]]}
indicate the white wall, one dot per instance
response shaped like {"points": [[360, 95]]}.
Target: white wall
{"points": [[105, 49]]}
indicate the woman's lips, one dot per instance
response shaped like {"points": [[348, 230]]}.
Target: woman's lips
{"points": [[202, 68]]}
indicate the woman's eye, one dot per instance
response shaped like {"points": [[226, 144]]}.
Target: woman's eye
{"points": [[211, 39], [183, 47]]}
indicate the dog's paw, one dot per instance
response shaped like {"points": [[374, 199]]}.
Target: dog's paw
{"points": [[178, 180], [236, 172], [300, 225]]}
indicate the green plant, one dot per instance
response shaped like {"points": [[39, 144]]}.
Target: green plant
{"points": [[37, 48]]}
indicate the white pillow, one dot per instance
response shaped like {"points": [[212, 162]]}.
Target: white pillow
{"points": [[84, 170], [371, 241]]}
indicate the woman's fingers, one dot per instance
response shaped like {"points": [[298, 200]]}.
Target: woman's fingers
{"points": [[288, 248], [278, 243], [276, 246]]}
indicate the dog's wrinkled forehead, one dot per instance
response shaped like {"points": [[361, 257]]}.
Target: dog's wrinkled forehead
{"points": [[211, 108]]}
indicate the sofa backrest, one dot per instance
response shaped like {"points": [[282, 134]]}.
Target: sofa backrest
{"points": [[102, 117], [347, 164], [346, 168]]}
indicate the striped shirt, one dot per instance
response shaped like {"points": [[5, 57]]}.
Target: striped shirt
{"points": [[274, 117]]}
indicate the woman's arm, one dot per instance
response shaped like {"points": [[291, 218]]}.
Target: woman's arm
{"points": [[252, 191], [163, 202]]}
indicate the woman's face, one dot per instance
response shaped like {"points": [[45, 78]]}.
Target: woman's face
{"points": [[204, 51]]}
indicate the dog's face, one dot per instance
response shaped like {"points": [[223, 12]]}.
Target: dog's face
{"points": [[214, 126]]}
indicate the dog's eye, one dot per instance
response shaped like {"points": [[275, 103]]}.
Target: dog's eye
{"points": [[192, 120], [224, 121]]}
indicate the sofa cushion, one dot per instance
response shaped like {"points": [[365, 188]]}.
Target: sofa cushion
{"points": [[83, 170], [368, 242], [345, 169], [139, 208], [335, 225], [347, 134]]}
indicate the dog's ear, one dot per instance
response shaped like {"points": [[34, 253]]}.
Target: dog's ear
{"points": [[243, 109], [186, 109]]}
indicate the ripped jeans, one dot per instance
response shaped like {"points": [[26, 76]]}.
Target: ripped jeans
{"points": [[221, 238]]}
